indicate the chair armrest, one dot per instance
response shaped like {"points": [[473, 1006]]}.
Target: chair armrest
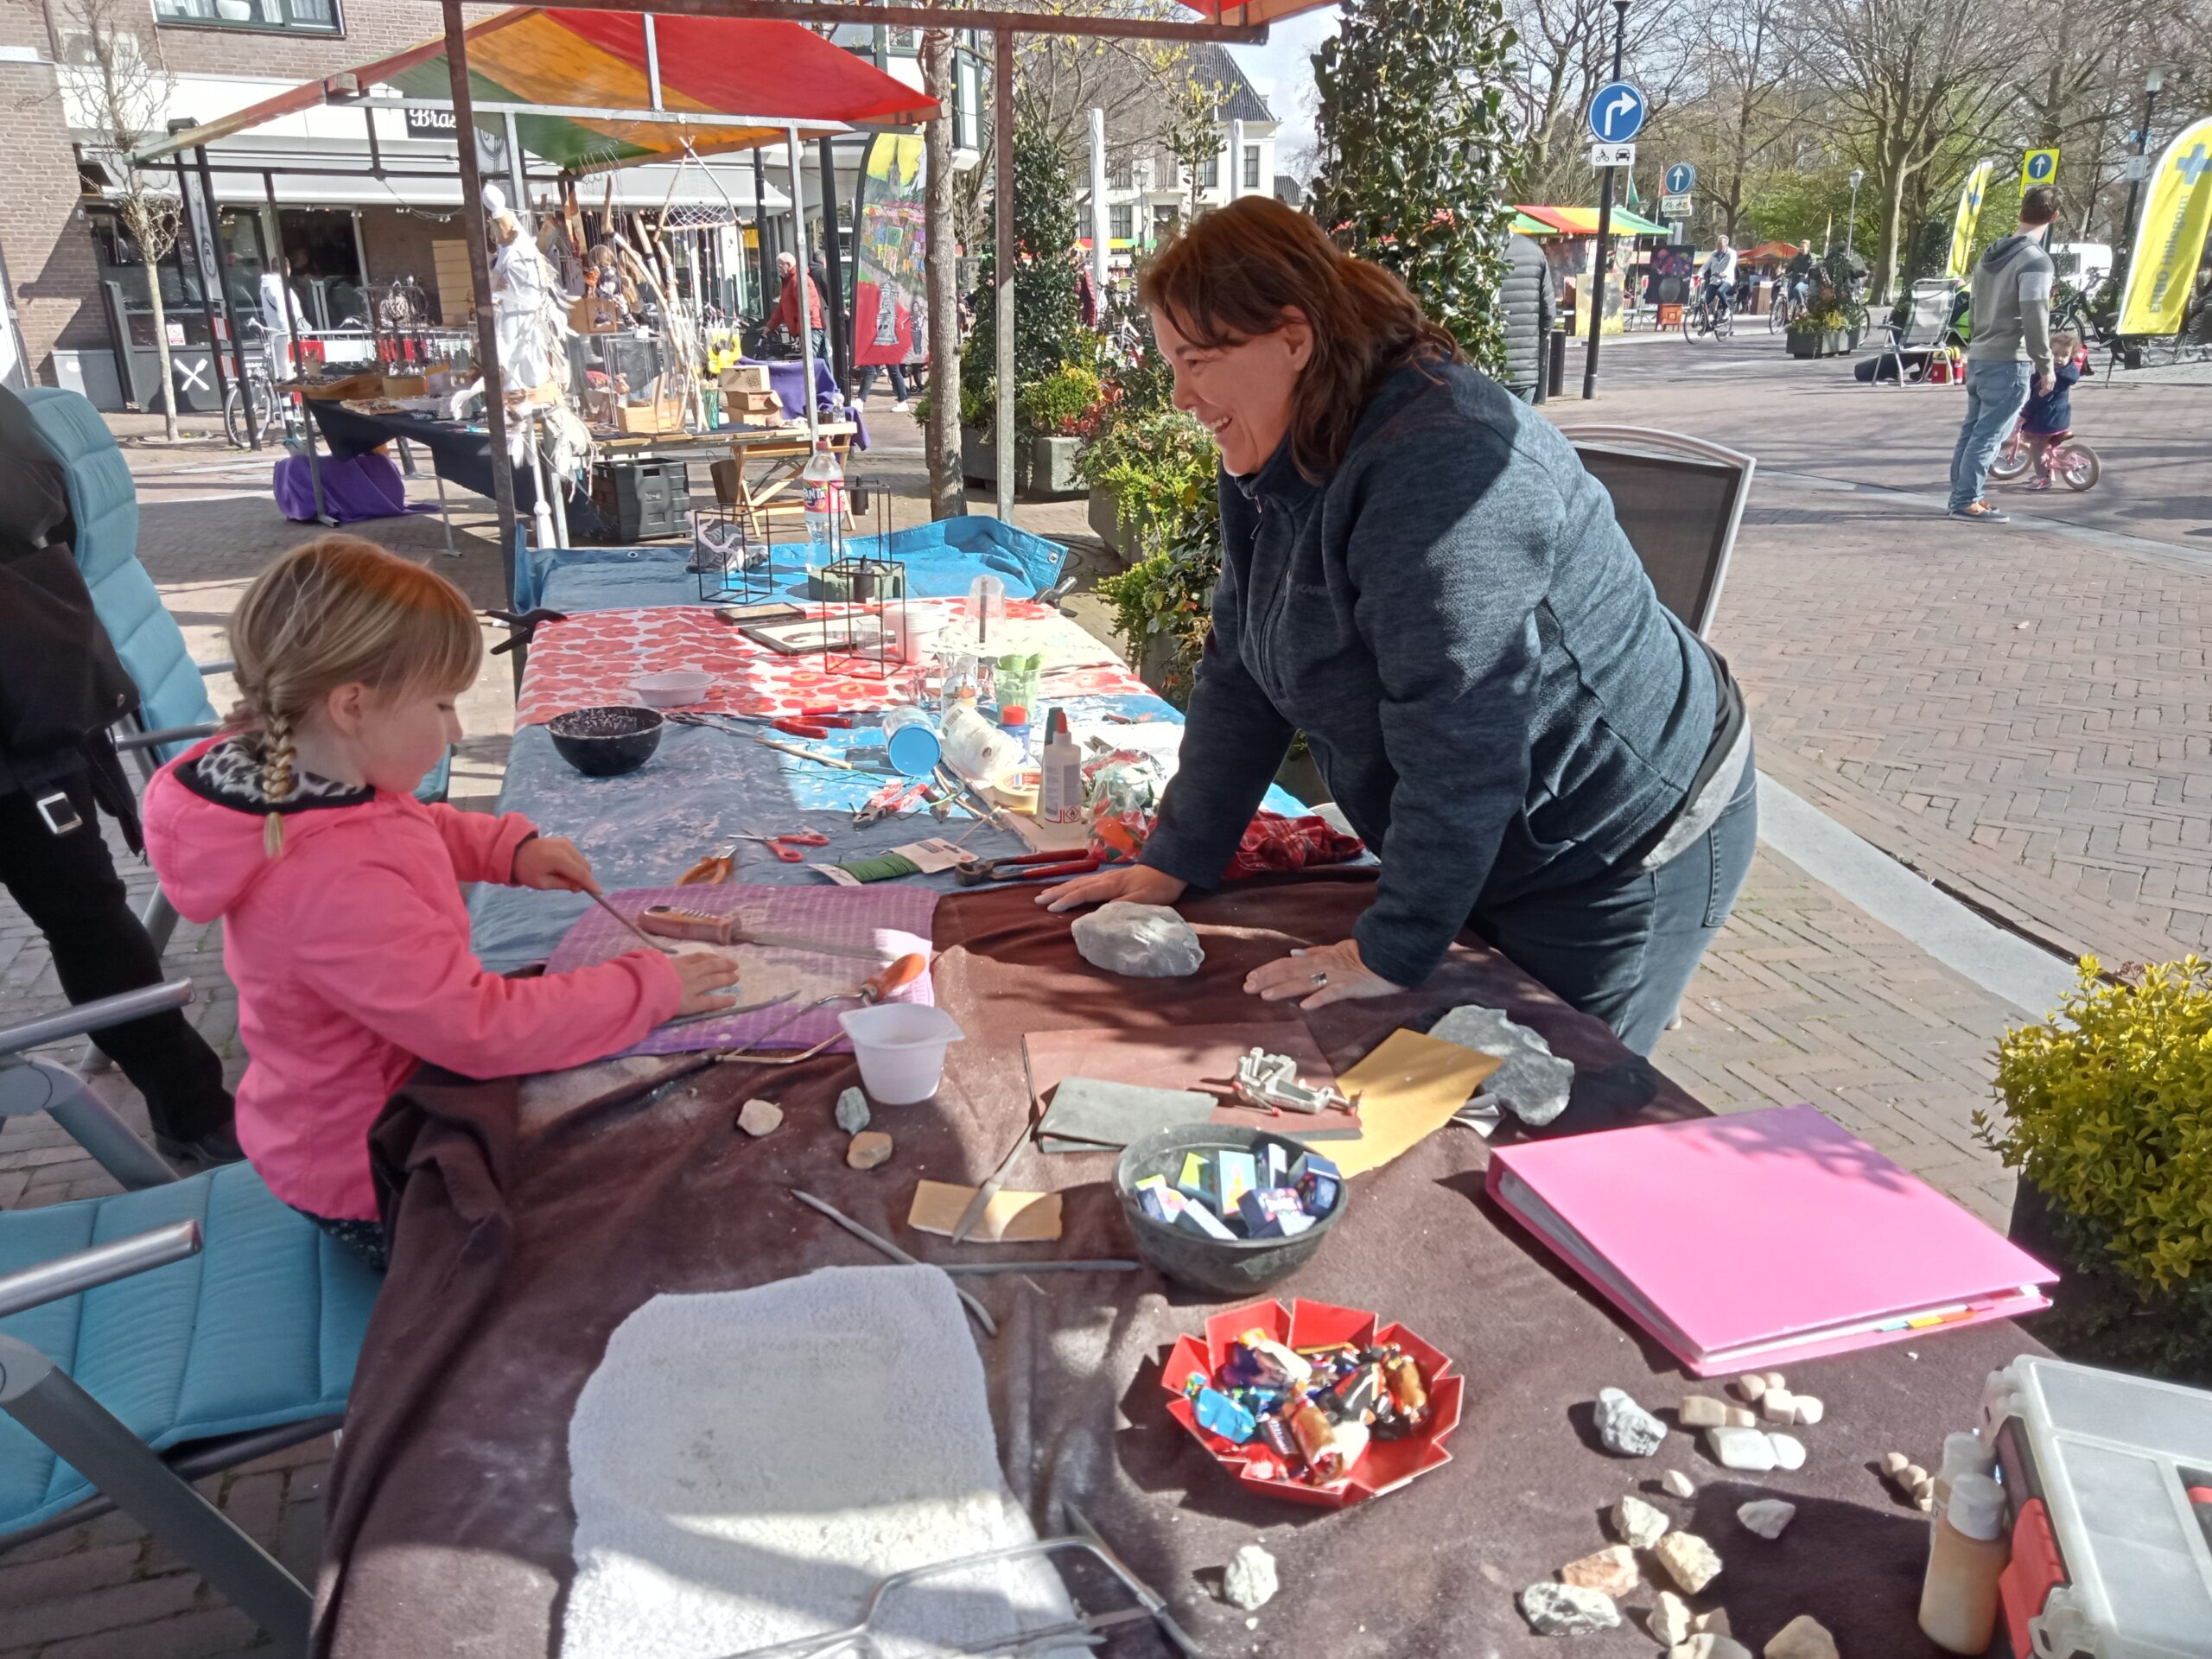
{"points": [[83, 1270], [208, 669], [87, 1017], [166, 734]]}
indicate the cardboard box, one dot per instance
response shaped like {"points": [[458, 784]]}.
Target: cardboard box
{"points": [[406, 385], [645, 417], [594, 315], [741, 378]]}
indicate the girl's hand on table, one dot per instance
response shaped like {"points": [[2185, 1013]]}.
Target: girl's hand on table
{"points": [[701, 972], [553, 864], [1138, 883], [1326, 974]]}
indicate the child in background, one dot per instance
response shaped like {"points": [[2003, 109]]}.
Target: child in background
{"points": [[344, 927], [2049, 416]]}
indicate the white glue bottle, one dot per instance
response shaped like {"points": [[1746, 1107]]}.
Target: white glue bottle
{"points": [[1059, 797], [1958, 1601]]}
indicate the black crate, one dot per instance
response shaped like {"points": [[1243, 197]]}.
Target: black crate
{"points": [[639, 499]]}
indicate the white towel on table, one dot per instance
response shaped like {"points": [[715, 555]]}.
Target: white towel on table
{"points": [[744, 1466]]}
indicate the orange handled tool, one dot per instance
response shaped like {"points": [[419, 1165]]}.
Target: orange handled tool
{"points": [[712, 870]]}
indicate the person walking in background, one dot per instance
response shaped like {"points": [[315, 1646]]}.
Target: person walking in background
{"points": [[787, 315], [1530, 312], [2011, 334]]}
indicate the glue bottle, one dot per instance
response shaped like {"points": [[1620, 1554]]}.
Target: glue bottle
{"points": [[1958, 1600], [1059, 798]]}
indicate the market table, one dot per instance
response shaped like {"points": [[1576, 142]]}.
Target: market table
{"points": [[530, 1221], [460, 453]]}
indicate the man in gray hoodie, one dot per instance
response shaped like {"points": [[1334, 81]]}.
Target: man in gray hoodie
{"points": [[2010, 335]]}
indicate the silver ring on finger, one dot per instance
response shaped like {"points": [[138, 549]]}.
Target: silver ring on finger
{"points": [[1320, 979]]}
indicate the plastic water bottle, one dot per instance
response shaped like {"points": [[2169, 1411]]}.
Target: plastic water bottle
{"points": [[824, 486]]}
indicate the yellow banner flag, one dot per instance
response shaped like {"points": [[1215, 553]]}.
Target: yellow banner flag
{"points": [[2169, 240], [1964, 222]]}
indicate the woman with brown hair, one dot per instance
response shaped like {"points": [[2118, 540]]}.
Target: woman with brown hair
{"points": [[1419, 575]]}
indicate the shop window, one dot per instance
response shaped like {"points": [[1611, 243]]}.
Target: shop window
{"points": [[1121, 222], [1251, 166], [291, 16]]}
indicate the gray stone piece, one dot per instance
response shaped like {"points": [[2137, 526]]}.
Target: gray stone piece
{"points": [[852, 1111], [1626, 1429], [1142, 941], [1565, 1610], [1533, 1082]]}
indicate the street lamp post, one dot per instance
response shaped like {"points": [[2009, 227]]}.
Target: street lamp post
{"points": [[1851, 225], [1605, 227], [2152, 82]]}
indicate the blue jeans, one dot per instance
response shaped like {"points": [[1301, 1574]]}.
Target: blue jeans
{"points": [[1995, 394], [1623, 947]]}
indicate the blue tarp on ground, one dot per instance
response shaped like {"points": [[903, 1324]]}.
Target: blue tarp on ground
{"points": [[941, 560]]}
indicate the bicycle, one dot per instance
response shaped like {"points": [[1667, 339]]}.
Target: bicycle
{"points": [[253, 408], [1707, 314], [1789, 306], [2073, 463]]}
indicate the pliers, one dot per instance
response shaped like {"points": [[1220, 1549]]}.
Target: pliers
{"points": [[1028, 867]]}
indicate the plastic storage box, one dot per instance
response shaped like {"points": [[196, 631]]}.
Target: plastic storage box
{"points": [[641, 499], [2109, 1560]]}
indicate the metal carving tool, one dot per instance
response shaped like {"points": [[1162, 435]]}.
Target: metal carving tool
{"points": [[980, 1314], [643, 938]]}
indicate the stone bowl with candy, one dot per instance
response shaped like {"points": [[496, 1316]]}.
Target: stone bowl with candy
{"points": [[1227, 1209], [1315, 1403]]}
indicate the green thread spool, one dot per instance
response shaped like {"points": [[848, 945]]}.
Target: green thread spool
{"points": [[882, 868]]}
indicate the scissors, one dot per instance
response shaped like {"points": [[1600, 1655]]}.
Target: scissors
{"points": [[786, 846]]}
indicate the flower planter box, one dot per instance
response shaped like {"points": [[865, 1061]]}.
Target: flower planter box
{"points": [[1122, 537], [1801, 342], [1051, 470], [1837, 343], [979, 459]]}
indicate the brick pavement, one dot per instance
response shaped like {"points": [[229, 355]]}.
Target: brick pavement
{"points": [[1803, 998]]}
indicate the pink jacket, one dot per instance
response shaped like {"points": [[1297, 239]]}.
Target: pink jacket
{"points": [[350, 953]]}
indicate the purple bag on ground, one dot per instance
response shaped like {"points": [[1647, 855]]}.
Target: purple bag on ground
{"points": [[364, 486]]}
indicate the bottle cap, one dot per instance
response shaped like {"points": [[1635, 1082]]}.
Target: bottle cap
{"points": [[1964, 1455], [1013, 715], [1977, 1507]]}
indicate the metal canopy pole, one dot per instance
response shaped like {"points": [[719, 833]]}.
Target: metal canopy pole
{"points": [[480, 281], [541, 512], [1003, 209], [1600, 279], [833, 260], [806, 310]]}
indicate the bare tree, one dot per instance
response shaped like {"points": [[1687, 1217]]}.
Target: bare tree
{"points": [[1746, 64], [1060, 78], [117, 90], [941, 439], [1564, 53]]}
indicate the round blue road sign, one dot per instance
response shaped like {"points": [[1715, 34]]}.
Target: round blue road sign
{"points": [[1679, 177], [1616, 113]]}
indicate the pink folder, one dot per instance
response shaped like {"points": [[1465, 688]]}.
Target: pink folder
{"points": [[1760, 1237]]}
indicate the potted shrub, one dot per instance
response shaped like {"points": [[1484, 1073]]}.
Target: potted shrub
{"points": [[1056, 413], [1163, 605], [1821, 332], [2108, 1118]]}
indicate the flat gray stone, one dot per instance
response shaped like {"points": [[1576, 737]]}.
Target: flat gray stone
{"points": [[852, 1111], [1626, 1429], [1532, 1083], [1141, 941], [1744, 1449], [1567, 1609]]}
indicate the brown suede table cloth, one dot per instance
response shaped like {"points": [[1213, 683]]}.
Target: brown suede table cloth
{"points": [[524, 1236]]}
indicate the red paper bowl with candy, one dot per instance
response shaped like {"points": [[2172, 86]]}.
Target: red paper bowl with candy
{"points": [[1360, 1372]]}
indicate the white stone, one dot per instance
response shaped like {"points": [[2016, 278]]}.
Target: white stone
{"points": [[868, 1149], [1611, 1571], [1678, 1484], [1565, 1609], [1625, 1429], [1810, 1409], [1142, 941], [1639, 1525], [1774, 1380], [1744, 1449], [1789, 1451], [1249, 1581], [1912, 1477], [1750, 1386], [1779, 1406], [1802, 1638], [1703, 1411], [1767, 1516], [1668, 1621], [757, 1118], [1709, 1645], [1894, 1464], [1713, 1624], [1690, 1561], [852, 1111], [1742, 1417]]}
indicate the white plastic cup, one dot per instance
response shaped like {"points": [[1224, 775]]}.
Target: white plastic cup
{"points": [[900, 1046]]}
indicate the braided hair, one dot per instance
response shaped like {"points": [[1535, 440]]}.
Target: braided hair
{"points": [[333, 612]]}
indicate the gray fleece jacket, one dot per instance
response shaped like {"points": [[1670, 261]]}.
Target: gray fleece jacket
{"points": [[1492, 691]]}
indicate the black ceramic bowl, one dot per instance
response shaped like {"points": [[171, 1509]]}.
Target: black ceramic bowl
{"points": [[606, 743], [1230, 1267]]}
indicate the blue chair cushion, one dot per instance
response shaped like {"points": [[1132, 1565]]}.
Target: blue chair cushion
{"points": [[104, 501], [262, 1328]]}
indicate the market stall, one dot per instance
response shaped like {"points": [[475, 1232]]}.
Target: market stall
{"points": [[1569, 238]]}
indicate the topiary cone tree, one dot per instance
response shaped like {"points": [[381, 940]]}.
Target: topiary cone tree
{"points": [[1048, 328], [1416, 153]]}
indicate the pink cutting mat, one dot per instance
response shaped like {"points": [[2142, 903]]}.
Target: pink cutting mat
{"points": [[592, 660], [894, 921]]}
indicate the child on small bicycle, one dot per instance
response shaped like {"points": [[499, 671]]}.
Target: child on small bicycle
{"points": [[2048, 419]]}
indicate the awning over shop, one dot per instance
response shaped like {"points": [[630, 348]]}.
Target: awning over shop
{"points": [[763, 75], [1583, 221], [1258, 11], [1777, 250]]}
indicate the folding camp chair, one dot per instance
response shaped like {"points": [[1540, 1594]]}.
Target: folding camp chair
{"points": [[1932, 322], [1679, 500]]}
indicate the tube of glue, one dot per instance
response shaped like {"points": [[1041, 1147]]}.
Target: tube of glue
{"points": [[1060, 799]]}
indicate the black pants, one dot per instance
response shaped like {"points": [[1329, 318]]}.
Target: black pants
{"points": [[68, 888]]}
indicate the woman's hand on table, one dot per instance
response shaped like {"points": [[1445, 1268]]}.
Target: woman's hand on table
{"points": [[553, 864], [702, 972], [1139, 884], [1326, 974]]}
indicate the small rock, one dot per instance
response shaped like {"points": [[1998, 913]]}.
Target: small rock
{"points": [[757, 1118], [1713, 1624], [1895, 1463], [1810, 1409], [1709, 1644], [1568, 1610], [852, 1111], [1745, 1449], [1639, 1525], [1249, 1581], [1779, 1406], [1703, 1411], [1767, 1516], [1668, 1621], [1774, 1380], [1742, 1417], [1611, 1571], [1926, 1506], [1912, 1477], [869, 1148], [1626, 1429], [1750, 1386], [1678, 1484], [1789, 1451], [1142, 941], [1689, 1560], [1802, 1638]]}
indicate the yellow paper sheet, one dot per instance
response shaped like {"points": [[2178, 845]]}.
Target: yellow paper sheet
{"points": [[1408, 1089], [1010, 1217]]}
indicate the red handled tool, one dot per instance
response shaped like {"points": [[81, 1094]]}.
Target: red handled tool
{"points": [[786, 846], [1029, 867]]}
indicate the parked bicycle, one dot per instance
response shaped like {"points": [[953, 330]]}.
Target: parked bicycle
{"points": [[252, 407]]}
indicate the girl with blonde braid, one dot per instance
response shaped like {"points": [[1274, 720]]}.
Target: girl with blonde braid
{"points": [[344, 927]]}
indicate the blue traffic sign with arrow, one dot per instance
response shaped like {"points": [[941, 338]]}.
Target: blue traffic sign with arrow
{"points": [[1679, 177], [1616, 113]]}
